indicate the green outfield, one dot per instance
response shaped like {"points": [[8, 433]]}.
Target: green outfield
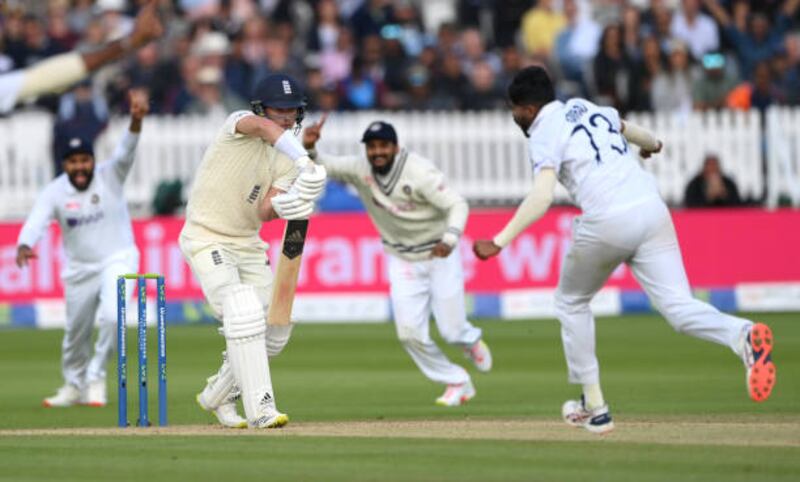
{"points": [[360, 410]]}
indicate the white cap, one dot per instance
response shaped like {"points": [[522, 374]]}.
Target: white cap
{"points": [[110, 5], [209, 75], [212, 43]]}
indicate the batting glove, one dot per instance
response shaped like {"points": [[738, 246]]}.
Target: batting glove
{"points": [[310, 183], [289, 206]]}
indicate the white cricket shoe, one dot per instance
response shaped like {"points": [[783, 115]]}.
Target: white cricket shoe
{"points": [[96, 394], [456, 395], [67, 396], [480, 355], [268, 415], [597, 420], [226, 413]]}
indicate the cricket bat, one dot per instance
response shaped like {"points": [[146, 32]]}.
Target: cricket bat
{"points": [[294, 238]]}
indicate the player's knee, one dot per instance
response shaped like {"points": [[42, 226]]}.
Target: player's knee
{"points": [[243, 315], [277, 338], [566, 304], [407, 335]]}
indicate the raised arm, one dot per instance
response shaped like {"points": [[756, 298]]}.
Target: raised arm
{"points": [[61, 71], [282, 140], [719, 13], [341, 168], [125, 152]]}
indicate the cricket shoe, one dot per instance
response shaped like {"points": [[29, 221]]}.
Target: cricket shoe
{"points": [[226, 413], [480, 355], [596, 420], [757, 356], [67, 396], [268, 415], [456, 395], [96, 394]]}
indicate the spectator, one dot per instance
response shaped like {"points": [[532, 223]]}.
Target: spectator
{"points": [[631, 32], [473, 51], [610, 69], [507, 21], [697, 29], [324, 34], [643, 73], [335, 63], [760, 41], [712, 87], [672, 89], [359, 91], [483, 92], [450, 81], [577, 44], [371, 17], [540, 27], [711, 188], [211, 96], [786, 70]]}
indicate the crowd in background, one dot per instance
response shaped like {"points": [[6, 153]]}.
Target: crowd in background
{"points": [[662, 55]]}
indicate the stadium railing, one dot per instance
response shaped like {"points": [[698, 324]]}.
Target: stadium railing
{"points": [[483, 154]]}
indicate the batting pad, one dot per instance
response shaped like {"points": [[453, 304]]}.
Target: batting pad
{"points": [[245, 337], [220, 386]]}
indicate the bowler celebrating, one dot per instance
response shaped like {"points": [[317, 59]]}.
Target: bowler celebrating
{"points": [[89, 204], [624, 219], [420, 220]]}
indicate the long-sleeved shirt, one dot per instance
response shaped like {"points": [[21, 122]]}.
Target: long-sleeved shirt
{"points": [[235, 174], [411, 206], [95, 224]]}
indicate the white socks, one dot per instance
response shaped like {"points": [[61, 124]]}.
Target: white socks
{"points": [[593, 396]]}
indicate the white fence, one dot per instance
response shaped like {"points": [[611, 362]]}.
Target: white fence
{"points": [[483, 154]]}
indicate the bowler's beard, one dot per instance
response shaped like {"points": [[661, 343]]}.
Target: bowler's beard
{"points": [[89, 173]]}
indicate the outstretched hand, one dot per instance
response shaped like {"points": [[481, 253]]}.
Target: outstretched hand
{"points": [[485, 249], [647, 153], [147, 26], [24, 253], [312, 133]]}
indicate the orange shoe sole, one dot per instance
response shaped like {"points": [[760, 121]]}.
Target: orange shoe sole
{"points": [[763, 374]]}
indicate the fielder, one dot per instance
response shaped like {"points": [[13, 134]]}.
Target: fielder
{"points": [[585, 147], [59, 72], [89, 204], [248, 175], [420, 220]]}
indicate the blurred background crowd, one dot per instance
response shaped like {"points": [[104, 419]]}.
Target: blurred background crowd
{"points": [[636, 55], [643, 55]]}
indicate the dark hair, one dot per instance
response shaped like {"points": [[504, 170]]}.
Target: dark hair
{"points": [[531, 85]]}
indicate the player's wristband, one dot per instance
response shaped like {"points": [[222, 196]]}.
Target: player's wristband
{"points": [[450, 238], [288, 144]]}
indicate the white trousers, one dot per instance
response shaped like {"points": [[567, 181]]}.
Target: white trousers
{"points": [[644, 238], [89, 297], [419, 288], [218, 267]]}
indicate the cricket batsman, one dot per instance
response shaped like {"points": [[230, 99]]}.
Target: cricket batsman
{"points": [[255, 170], [59, 72], [89, 204], [420, 219]]}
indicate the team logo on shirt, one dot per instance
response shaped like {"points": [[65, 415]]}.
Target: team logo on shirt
{"points": [[407, 190], [95, 199], [72, 206]]}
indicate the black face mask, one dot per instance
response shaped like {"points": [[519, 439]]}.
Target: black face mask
{"points": [[89, 173]]}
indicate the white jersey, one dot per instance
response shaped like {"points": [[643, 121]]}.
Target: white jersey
{"points": [[235, 174], [592, 159], [95, 223], [10, 86], [411, 205]]}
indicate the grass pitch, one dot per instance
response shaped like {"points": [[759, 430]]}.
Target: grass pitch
{"points": [[360, 410]]}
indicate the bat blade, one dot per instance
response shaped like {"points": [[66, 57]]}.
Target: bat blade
{"points": [[285, 284]]}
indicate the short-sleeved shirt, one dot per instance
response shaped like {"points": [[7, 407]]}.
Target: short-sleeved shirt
{"points": [[583, 144], [235, 174]]}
